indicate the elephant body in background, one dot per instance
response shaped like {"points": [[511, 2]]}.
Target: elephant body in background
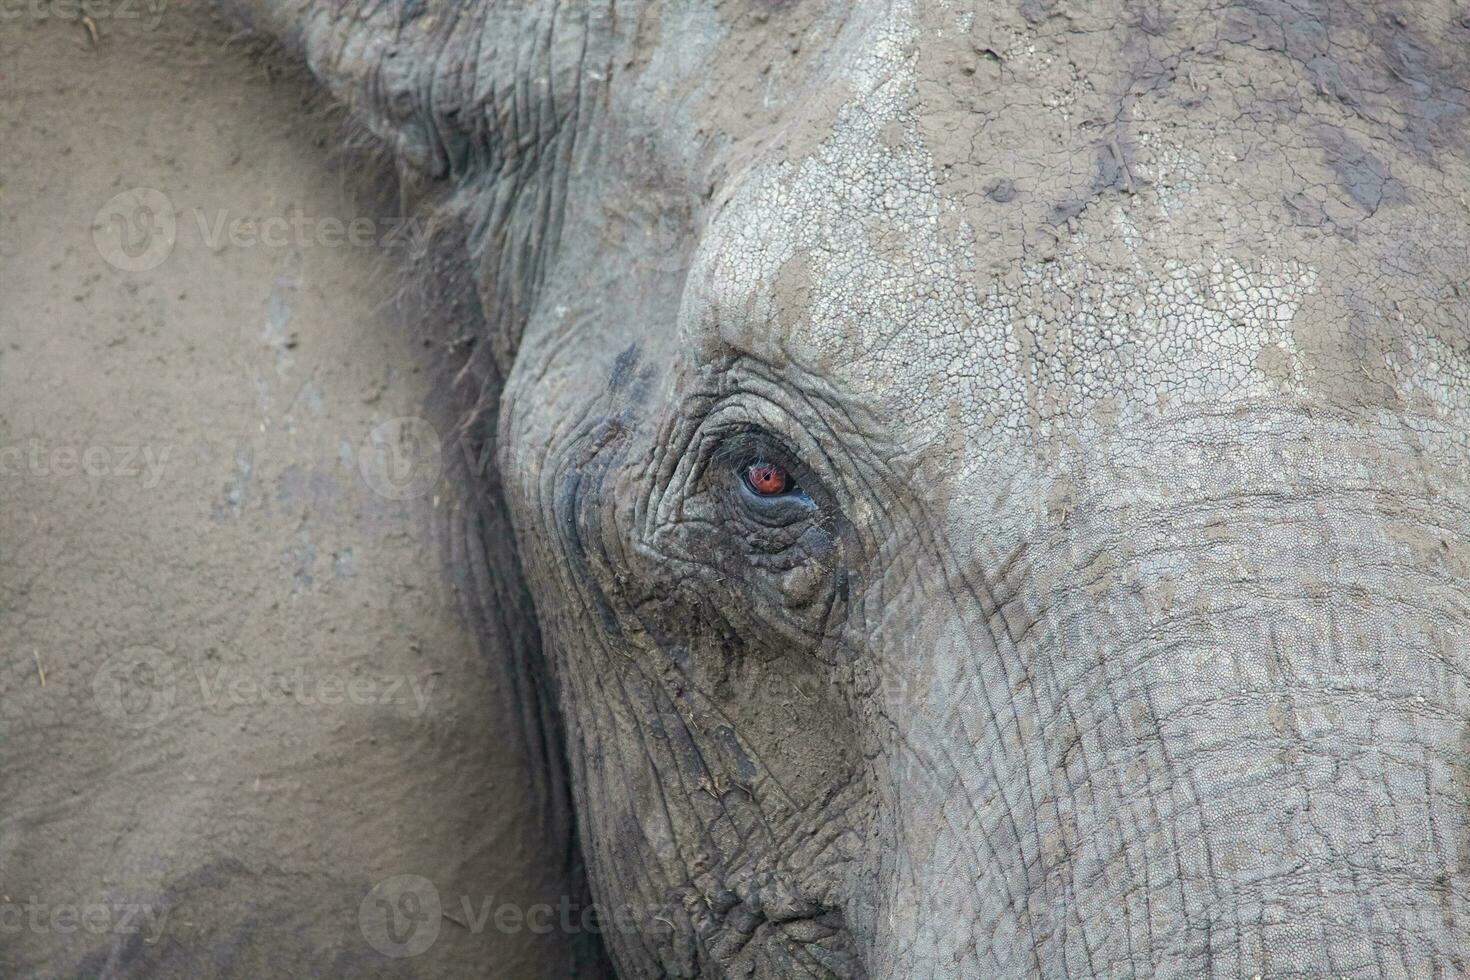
{"points": [[1098, 604]]}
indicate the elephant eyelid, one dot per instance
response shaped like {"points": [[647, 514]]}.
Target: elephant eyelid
{"points": [[766, 479]]}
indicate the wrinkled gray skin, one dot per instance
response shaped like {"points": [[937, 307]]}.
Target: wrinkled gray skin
{"points": [[1122, 350]]}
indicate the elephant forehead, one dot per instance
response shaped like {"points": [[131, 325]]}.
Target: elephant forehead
{"points": [[982, 280]]}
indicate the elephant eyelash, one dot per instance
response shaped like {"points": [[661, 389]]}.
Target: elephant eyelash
{"points": [[745, 447]]}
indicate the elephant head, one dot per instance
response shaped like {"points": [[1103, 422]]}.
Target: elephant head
{"points": [[989, 478]]}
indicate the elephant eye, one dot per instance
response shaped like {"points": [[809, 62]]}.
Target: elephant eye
{"points": [[767, 479]]}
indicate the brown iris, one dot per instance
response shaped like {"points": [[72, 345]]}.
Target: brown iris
{"points": [[767, 479]]}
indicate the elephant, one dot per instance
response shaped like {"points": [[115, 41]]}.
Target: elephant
{"points": [[977, 488]]}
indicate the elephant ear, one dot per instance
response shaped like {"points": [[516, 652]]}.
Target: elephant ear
{"points": [[481, 105]]}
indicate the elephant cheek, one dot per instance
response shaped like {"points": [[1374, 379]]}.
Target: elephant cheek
{"points": [[1227, 735]]}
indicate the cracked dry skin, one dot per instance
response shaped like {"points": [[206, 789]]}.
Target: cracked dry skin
{"points": [[1121, 352]]}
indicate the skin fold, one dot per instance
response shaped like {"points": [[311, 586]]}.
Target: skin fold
{"points": [[1120, 354]]}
